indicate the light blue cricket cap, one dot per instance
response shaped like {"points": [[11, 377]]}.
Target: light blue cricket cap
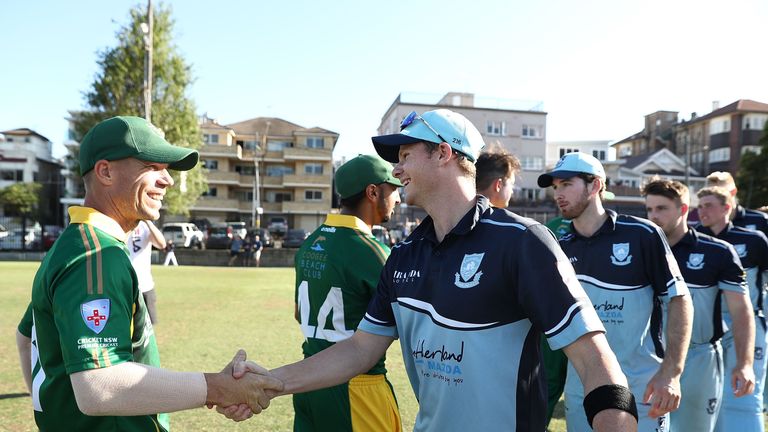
{"points": [[453, 127], [570, 165]]}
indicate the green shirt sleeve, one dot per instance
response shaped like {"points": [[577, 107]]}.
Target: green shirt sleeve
{"points": [[25, 326]]}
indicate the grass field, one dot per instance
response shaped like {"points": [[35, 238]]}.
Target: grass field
{"points": [[206, 314]]}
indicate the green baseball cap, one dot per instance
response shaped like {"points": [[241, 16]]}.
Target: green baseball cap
{"points": [[125, 136], [354, 176]]}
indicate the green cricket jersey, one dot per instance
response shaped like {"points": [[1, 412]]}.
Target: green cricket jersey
{"points": [[87, 313], [337, 270]]}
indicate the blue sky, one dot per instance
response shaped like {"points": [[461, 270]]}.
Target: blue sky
{"points": [[598, 66]]}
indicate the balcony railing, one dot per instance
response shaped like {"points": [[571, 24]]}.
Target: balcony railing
{"points": [[216, 203], [322, 181], [234, 151], [219, 177], [306, 207], [307, 153]]}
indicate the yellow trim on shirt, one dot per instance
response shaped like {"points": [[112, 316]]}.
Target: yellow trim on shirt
{"points": [[90, 216], [347, 221]]}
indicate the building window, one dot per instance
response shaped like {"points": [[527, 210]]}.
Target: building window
{"points": [[530, 131], [532, 163], [210, 164], [279, 197], [12, 175], [496, 128], [315, 142], [9, 139], [529, 194], [313, 169], [211, 192], [599, 154], [210, 138], [278, 170], [278, 145], [566, 150], [245, 169], [720, 155], [313, 195], [249, 145]]}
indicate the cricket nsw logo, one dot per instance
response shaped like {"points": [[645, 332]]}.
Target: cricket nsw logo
{"points": [[95, 314], [468, 275], [741, 249], [621, 256], [695, 261]]}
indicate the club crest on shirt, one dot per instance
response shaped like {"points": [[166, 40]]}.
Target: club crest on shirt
{"points": [[468, 275], [95, 314], [621, 256], [711, 406], [741, 249], [695, 261]]}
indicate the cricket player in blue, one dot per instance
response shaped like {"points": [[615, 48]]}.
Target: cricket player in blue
{"points": [[469, 293], [710, 267], [715, 205], [741, 217], [627, 270]]}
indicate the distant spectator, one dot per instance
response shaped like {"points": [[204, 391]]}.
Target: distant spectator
{"points": [[257, 247], [235, 249], [170, 255]]}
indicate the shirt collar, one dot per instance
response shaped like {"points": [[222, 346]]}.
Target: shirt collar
{"points": [[347, 221], [608, 226], [740, 212], [466, 224], [91, 216], [690, 238]]}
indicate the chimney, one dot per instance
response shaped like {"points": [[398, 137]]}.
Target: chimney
{"points": [[715, 105], [693, 115]]}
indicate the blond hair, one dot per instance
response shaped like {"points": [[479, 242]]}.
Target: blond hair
{"points": [[721, 178], [719, 192]]}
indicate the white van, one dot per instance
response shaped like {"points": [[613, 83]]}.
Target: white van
{"points": [[183, 234]]}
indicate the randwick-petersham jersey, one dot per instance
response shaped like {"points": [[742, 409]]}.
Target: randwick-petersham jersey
{"points": [[469, 312], [708, 266], [627, 270], [752, 249]]}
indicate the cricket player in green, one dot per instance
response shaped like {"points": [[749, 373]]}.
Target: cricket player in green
{"points": [[92, 361], [337, 271]]}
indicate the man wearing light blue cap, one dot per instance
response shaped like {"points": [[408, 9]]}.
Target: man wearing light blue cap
{"points": [[627, 269], [468, 294]]}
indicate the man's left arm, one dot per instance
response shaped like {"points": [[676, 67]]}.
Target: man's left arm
{"points": [[24, 345], [663, 390], [155, 235]]}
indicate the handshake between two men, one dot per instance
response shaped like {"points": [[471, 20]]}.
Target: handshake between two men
{"points": [[241, 389]]}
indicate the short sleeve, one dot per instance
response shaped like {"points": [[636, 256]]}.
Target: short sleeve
{"points": [[550, 292], [25, 325], [95, 328], [661, 267], [732, 275], [379, 319]]}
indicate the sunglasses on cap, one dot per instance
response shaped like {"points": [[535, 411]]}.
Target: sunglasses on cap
{"points": [[413, 116]]}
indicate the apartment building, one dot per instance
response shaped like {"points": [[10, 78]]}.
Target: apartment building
{"points": [[25, 157], [294, 166], [713, 142], [600, 149], [516, 126]]}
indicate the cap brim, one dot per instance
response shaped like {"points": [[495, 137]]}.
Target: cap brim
{"points": [[545, 180], [388, 146], [177, 158]]}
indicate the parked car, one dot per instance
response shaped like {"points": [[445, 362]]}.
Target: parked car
{"points": [[14, 239], [295, 237], [219, 237], [264, 236], [278, 225], [3, 231], [50, 234], [183, 234], [238, 228], [203, 224]]}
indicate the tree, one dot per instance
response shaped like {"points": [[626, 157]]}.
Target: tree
{"points": [[752, 179], [118, 90], [21, 198]]}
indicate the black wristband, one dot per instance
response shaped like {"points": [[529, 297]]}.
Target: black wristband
{"points": [[611, 396]]}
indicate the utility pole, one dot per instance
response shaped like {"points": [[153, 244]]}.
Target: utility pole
{"points": [[256, 209], [147, 29]]}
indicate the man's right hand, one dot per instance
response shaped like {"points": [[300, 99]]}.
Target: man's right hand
{"points": [[250, 389]]}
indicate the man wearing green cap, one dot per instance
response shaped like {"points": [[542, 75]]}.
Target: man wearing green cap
{"points": [[92, 361], [337, 269]]}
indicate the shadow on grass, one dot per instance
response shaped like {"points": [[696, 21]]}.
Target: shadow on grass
{"points": [[13, 395]]}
